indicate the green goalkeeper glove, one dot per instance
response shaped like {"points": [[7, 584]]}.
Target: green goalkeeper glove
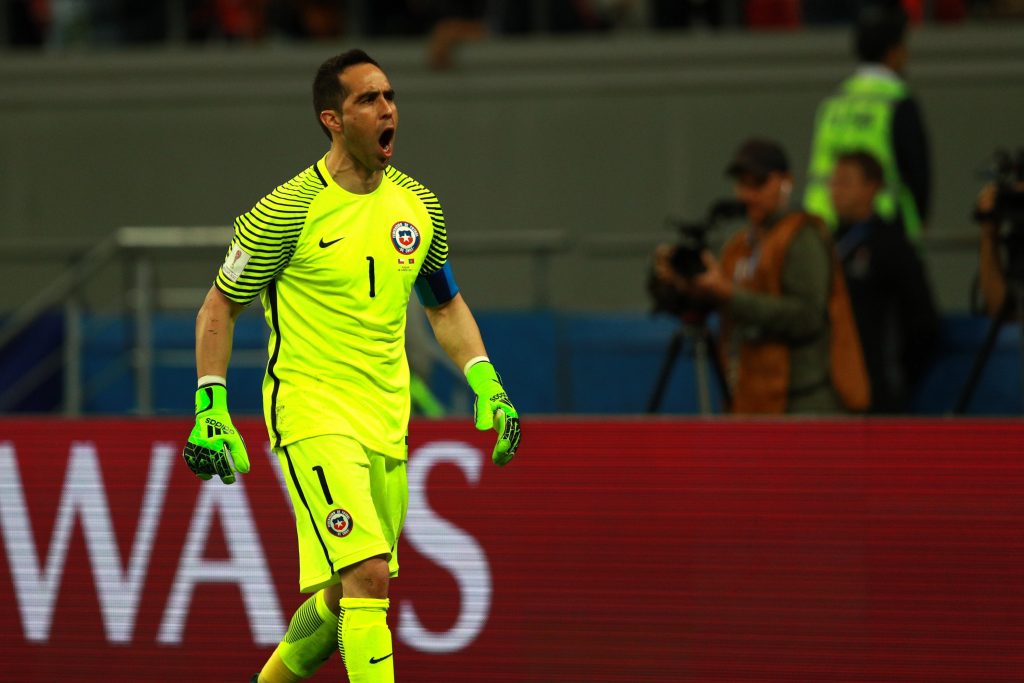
{"points": [[493, 410], [215, 446]]}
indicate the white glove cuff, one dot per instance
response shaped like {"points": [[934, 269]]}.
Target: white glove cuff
{"points": [[212, 379], [473, 361]]}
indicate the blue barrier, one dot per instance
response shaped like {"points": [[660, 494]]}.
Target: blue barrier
{"points": [[38, 349], [1000, 390], [552, 363]]}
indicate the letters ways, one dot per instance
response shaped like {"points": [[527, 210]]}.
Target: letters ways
{"points": [[119, 587]]}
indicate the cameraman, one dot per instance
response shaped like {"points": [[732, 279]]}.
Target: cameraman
{"points": [[788, 342]]}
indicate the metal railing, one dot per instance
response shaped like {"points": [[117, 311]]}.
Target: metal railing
{"points": [[140, 248]]}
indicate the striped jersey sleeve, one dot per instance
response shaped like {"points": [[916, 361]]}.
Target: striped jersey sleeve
{"points": [[437, 254], [266, 236]]}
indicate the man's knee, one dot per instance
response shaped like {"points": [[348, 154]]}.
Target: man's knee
{"points": [[332, 596], [366, 579]]}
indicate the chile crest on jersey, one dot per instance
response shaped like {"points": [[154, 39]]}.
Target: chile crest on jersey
{"points": [[405, 237]]}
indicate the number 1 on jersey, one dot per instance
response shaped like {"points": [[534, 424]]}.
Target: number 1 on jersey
{"points": [[373, 281]]}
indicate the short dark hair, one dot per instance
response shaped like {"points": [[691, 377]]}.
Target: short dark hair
{"points": [[880, 27], [867, 163], [758, 157], [327, 90]]}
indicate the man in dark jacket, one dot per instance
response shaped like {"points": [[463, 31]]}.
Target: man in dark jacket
{"points": [[892, 302]]}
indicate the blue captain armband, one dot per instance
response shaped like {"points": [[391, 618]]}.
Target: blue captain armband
{"points": [[438, 287]]}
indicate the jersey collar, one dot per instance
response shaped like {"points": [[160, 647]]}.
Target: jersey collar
{"points": [[325, 175], [873, 70]]}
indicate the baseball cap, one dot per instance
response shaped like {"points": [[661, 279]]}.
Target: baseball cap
{"points": [[758, 158]]}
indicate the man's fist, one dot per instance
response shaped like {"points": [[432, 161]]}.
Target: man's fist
{"points": [[215, 446], [493, 409]]}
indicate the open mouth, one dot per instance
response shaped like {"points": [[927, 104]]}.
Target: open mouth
{"points": [[385, 140]]}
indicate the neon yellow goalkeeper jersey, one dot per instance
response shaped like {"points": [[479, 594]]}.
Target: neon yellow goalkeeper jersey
{"points": [[334, 272]]}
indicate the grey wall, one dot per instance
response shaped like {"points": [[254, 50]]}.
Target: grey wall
{"points": [[600, 138]]}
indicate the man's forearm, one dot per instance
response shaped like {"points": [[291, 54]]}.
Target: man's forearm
{"points": [[990, 272], [456, 330], [215, 330], [786, 316]]}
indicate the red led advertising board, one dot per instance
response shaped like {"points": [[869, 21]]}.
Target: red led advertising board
{"points": [[609, 550]]}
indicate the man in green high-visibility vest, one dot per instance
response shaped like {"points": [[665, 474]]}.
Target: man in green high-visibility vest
{"points": [[873, 112]]}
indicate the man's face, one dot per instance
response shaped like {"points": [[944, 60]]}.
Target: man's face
{"points": [[762, 196], [369, 116], [853, 195]]}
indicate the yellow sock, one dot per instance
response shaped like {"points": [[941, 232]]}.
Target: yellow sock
{"points": [[311, 638], [364, 640]]}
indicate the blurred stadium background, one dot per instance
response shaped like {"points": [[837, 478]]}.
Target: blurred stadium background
{"points": [[131, 134]]}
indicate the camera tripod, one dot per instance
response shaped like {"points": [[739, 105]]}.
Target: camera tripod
{"points": [[1013, 305], [696, 330]]}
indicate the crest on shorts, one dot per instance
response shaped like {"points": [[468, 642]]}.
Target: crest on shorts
{"points": [[339, 523], [405, 237]]}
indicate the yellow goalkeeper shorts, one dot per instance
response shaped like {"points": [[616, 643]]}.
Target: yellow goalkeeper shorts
{"points": [[350, 505]]}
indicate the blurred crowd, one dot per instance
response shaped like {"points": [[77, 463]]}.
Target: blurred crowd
{"points": [[65, 23]]}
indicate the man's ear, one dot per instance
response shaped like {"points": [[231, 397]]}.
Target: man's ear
{"points": [[332, 120]]}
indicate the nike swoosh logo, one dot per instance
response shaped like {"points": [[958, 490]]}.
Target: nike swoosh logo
{"points": [[374, 660], [324, 245]]}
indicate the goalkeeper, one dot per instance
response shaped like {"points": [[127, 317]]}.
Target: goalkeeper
{"points": [[334, 254]]}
